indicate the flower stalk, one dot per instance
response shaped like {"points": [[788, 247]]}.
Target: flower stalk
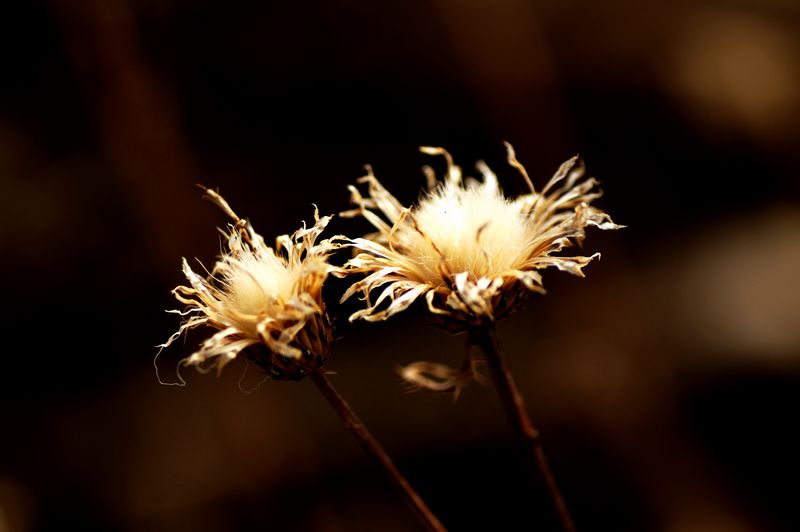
{"points": [[486, 340], [266, 304], [371, 445]]}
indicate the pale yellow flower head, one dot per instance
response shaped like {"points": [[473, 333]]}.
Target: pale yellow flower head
{"points": [[473, 253], [265, 299]]}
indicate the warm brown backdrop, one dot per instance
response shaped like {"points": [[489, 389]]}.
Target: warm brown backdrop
{"points": [[665, 383]]}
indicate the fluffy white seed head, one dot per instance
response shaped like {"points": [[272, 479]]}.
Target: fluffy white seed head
{"points": [[475, 229], [255, 283], [472, 252], [257, 295]]}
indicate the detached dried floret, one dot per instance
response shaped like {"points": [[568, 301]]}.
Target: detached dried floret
{"points": [[265, 299], [435, 377], [471, 252]]}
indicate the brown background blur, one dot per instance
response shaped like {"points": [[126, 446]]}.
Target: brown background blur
{"points": [[665, 383]]}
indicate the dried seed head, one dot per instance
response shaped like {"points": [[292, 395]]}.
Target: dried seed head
{"points": [[473, 253], [268, 301]]}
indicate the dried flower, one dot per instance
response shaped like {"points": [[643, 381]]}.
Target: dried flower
{"points": [[271, 300], [472, 253], [263, 297]]}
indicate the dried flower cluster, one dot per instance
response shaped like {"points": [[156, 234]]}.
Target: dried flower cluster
{"points": [[264, 297], [473, 254], [470, 252]]}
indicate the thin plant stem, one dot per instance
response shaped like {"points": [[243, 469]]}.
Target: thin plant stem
{"points": [[368, 441], [486, 339]]}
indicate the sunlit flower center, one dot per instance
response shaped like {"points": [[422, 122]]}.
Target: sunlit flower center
{"points": [[254, 283], [475, 229]]}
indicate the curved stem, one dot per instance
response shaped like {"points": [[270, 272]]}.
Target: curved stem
{"points": [[514, 405], [368, 441]]}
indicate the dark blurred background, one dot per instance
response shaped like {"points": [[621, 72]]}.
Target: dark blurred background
{"points": [[665, 383]]}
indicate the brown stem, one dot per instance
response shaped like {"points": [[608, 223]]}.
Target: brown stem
{"points": [[514, 405], [374, 448]]}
